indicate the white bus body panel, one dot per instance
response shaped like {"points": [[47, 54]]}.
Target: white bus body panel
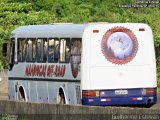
{"points": [[98, 73]]}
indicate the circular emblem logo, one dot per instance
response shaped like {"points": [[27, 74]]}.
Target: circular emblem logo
{"points": [[119, 45]]}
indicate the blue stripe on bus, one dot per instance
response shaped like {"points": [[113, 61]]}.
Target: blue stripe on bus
{"points": [[118, 101]]}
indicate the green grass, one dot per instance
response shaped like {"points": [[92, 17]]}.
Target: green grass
{"points": [[158, 90], [158, 85], [12, 117]]}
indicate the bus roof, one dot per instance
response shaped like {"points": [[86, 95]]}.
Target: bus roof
{"points": [[63, 30], [57, 30]]}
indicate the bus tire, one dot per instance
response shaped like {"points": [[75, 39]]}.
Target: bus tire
{"points": [[21, 94], [61, 97]]}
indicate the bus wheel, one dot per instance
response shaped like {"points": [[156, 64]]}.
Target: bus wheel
{"points": [[21, 94], [61, 97]]}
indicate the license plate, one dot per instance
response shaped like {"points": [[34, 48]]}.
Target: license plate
{"points": [[121, 92]]}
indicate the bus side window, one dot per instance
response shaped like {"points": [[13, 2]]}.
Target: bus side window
{"points": [[30, 51], [24, 52], [76, 51], [51, 50], [34, 50], [21, 43], [41, 50], [56, 50], [64, 50], [68, 51], [45, 50]]}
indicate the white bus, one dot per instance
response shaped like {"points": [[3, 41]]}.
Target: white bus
{"points": [[97, 64]]}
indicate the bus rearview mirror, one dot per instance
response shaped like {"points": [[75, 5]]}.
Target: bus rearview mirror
{"points": [[4, 49]]}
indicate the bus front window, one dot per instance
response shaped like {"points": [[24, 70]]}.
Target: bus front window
{"points": [[12, 53]]}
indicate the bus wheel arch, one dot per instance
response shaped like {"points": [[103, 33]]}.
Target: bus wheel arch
{"points": [[61, 97], [22, 94]]}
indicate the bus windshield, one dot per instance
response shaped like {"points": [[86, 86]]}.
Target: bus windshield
{"points": [[11, 55]]}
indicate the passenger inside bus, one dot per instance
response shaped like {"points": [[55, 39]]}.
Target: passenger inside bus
{"points": [[56, 54], [39, 50], [51, 50], [45, 46]]}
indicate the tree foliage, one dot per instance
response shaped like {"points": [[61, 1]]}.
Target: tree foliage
{"points": [[15, 13]]}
